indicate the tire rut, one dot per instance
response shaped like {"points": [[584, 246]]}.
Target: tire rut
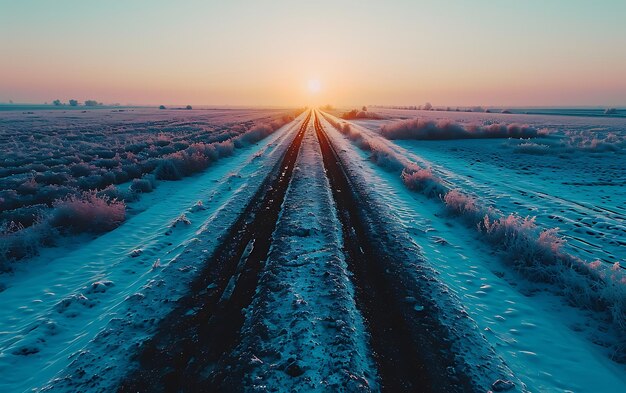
{"points": [[405, 359]]}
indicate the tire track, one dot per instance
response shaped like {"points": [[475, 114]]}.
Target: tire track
{"points": [[184, 354], [402, 362]]}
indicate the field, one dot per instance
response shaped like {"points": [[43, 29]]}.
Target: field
{"points": [[392, 249], [74, 171]]}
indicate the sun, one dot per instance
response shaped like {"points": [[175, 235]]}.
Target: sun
{"points": [[314, 85]]}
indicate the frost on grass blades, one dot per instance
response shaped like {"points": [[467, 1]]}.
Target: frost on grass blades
{"points": [[573, 142], [58, 177], [534, 252], [447, 129], [537, 255]]}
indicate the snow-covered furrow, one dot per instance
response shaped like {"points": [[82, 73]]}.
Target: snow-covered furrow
{"points": [[303, 331], [115, 288], [438, 311], [590, 231], [544, 341]]}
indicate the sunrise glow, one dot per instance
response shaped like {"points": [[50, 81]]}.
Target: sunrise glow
{"points": [[314, 86], [408, 53]]}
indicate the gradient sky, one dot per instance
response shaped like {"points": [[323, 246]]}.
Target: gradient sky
{"points": [[505, 53]]}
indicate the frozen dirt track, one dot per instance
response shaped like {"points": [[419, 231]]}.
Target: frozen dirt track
{"points": [[403, 360], [219, 333]]}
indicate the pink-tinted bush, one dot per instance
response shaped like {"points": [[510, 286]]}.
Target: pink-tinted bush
{"points": [[462, 204], [225, 149], [180, 164], [447, 129], [422, 180], [18, 242], [572, 142], [143, 185], [532, 148], [383, 156], [594, 142], [261, 131], [357, 114], [356, 137], [88, 212], [167, 170], [254, 135]]}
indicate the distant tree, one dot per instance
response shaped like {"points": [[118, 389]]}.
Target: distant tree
{"points": [[57, 103], [73, 103], [188, 107], [10, 101], [91, 103], [610, 111], [162, 107], [427, 106], [364, 109]]}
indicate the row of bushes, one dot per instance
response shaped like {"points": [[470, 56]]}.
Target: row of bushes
{"points": [[98, 162], [574, 142], [538, 255], [447, 129], [534, 252], [66, 209], [356, 114], [45, 159]]}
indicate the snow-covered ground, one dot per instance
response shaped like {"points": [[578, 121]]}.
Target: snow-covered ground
{"points": [[116, 287], [73, 318], [580, 190], [549, 345]]}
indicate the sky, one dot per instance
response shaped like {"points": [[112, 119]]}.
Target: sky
{"points": [[236, 52]]}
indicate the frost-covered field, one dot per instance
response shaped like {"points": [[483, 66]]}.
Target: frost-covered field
{"points": [[73, 171], [446, 226], [572, 178], [552, 301]]}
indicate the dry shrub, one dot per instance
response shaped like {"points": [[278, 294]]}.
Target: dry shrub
{"points": [[88, 212], [447, 129]]}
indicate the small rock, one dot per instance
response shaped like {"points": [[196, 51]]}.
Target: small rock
{"points": [[135, 253], [198, 207], [502, 385], [100, 286], [440, 240]]}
